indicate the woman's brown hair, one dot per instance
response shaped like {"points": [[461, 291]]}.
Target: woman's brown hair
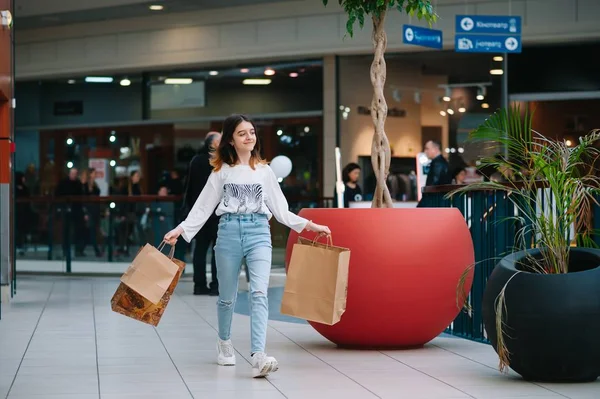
{"points": [[225, 153]]}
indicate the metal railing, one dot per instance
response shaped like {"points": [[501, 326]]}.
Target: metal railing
{"points": [[489, 215], [109, 229]]}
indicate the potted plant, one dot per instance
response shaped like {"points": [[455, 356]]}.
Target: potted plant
{"points": [[541, 304]]}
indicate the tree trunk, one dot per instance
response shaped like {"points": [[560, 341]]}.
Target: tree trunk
{"points": [[380, 151]]}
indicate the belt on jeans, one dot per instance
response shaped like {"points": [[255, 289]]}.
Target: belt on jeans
{"points": [[246, 217]]}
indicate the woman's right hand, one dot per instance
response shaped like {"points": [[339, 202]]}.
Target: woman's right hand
{"points": [[172, 236]]}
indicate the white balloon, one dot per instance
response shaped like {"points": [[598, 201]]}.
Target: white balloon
{"points": [[282, 166]]}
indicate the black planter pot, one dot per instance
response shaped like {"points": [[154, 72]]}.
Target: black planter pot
{"points": [[552, 321]]}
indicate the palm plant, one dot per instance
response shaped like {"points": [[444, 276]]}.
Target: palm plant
{"points": [[536, 171]]}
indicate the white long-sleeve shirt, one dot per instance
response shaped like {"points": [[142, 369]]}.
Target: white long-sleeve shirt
{"points": [[241, 189]]}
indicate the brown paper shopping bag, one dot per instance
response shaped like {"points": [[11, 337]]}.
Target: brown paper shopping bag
{"points": [[317, 282], [150, 273], [130, 303]]}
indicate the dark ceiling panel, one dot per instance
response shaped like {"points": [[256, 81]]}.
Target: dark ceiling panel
{"points": [[130, 11]]}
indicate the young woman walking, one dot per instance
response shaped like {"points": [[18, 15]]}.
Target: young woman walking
{"points": [[246, 193]]}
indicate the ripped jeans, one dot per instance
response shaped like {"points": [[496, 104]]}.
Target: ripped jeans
{"points": [[244, 236]]}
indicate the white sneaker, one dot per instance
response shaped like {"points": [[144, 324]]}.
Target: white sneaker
{"points": [[262, 365], [226, 353]]}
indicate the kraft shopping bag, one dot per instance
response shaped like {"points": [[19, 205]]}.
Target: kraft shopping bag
{"points": [[151, 272], [317, 282], [131, 303]]}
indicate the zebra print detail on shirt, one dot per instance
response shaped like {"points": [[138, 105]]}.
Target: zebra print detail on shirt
{"points": [[246, 198]]}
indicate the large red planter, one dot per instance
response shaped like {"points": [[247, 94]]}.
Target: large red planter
{"points": [[405, 265]]}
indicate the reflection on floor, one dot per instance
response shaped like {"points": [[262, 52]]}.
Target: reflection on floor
{"points": [[59, 339]]}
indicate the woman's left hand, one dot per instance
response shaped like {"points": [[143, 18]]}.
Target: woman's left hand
{"points": [[317, 228]]}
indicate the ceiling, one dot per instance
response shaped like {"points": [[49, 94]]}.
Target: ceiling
{"points": [[116, 11]]}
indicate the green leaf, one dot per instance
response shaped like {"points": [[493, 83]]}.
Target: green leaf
{"points": [[361, 19]]}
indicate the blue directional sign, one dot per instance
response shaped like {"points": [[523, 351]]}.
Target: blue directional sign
{"points": [[498, 24], [425, 37], [487, 43]]}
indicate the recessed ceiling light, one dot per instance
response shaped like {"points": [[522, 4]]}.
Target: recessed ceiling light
{"points": [[496, 72], [269, 72], [462, 109], [99, 79], [498, 58], [178, 81], [244, 70], [156, 7], [293, 74], [256, 81], [485, 105], [213, 73], [125, 82], [71, 81]]}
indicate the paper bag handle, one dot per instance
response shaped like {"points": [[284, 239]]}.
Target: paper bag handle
{"points": [[171, 251], [329, 242]]}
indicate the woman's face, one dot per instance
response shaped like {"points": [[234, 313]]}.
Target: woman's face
{"points": [[460, 177], [93, 175], [244, 137], [135, 178], [354, 175]]}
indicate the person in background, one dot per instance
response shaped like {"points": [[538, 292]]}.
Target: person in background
{"points": [[73, 219], [460, 175], [128, 230], [245, 192], [91, 209], [198, 174], [438, 169], [23, 211], [352, 191]]}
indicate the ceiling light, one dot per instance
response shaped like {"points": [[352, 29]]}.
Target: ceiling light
{"points": [[99, 79], [293, 74], [450, 111], [443, 113], [113, 163], [156, 7], [213, 73], [269, 72], [462, 109], [71, 81], [306, 129], [69, 141], [178, 81], [279, 132], [256, 81], [498, 58], [112, 139], [69, 164], [125, 82], [447, 94], [481, 92], [485, 105], [244, 70], [496, 72]]}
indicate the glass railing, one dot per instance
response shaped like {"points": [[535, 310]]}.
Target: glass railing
{"points": [[100, 234]]}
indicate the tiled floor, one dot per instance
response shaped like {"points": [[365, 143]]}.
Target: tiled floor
{"points": [[59, 339]]}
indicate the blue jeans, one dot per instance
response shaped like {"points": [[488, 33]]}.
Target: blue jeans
{"points": [[244, 236]]}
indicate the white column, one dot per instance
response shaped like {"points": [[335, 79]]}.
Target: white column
{"points": [[330, 109]]}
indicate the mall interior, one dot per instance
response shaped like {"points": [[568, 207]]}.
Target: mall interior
{"points": [[129, 89]]}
